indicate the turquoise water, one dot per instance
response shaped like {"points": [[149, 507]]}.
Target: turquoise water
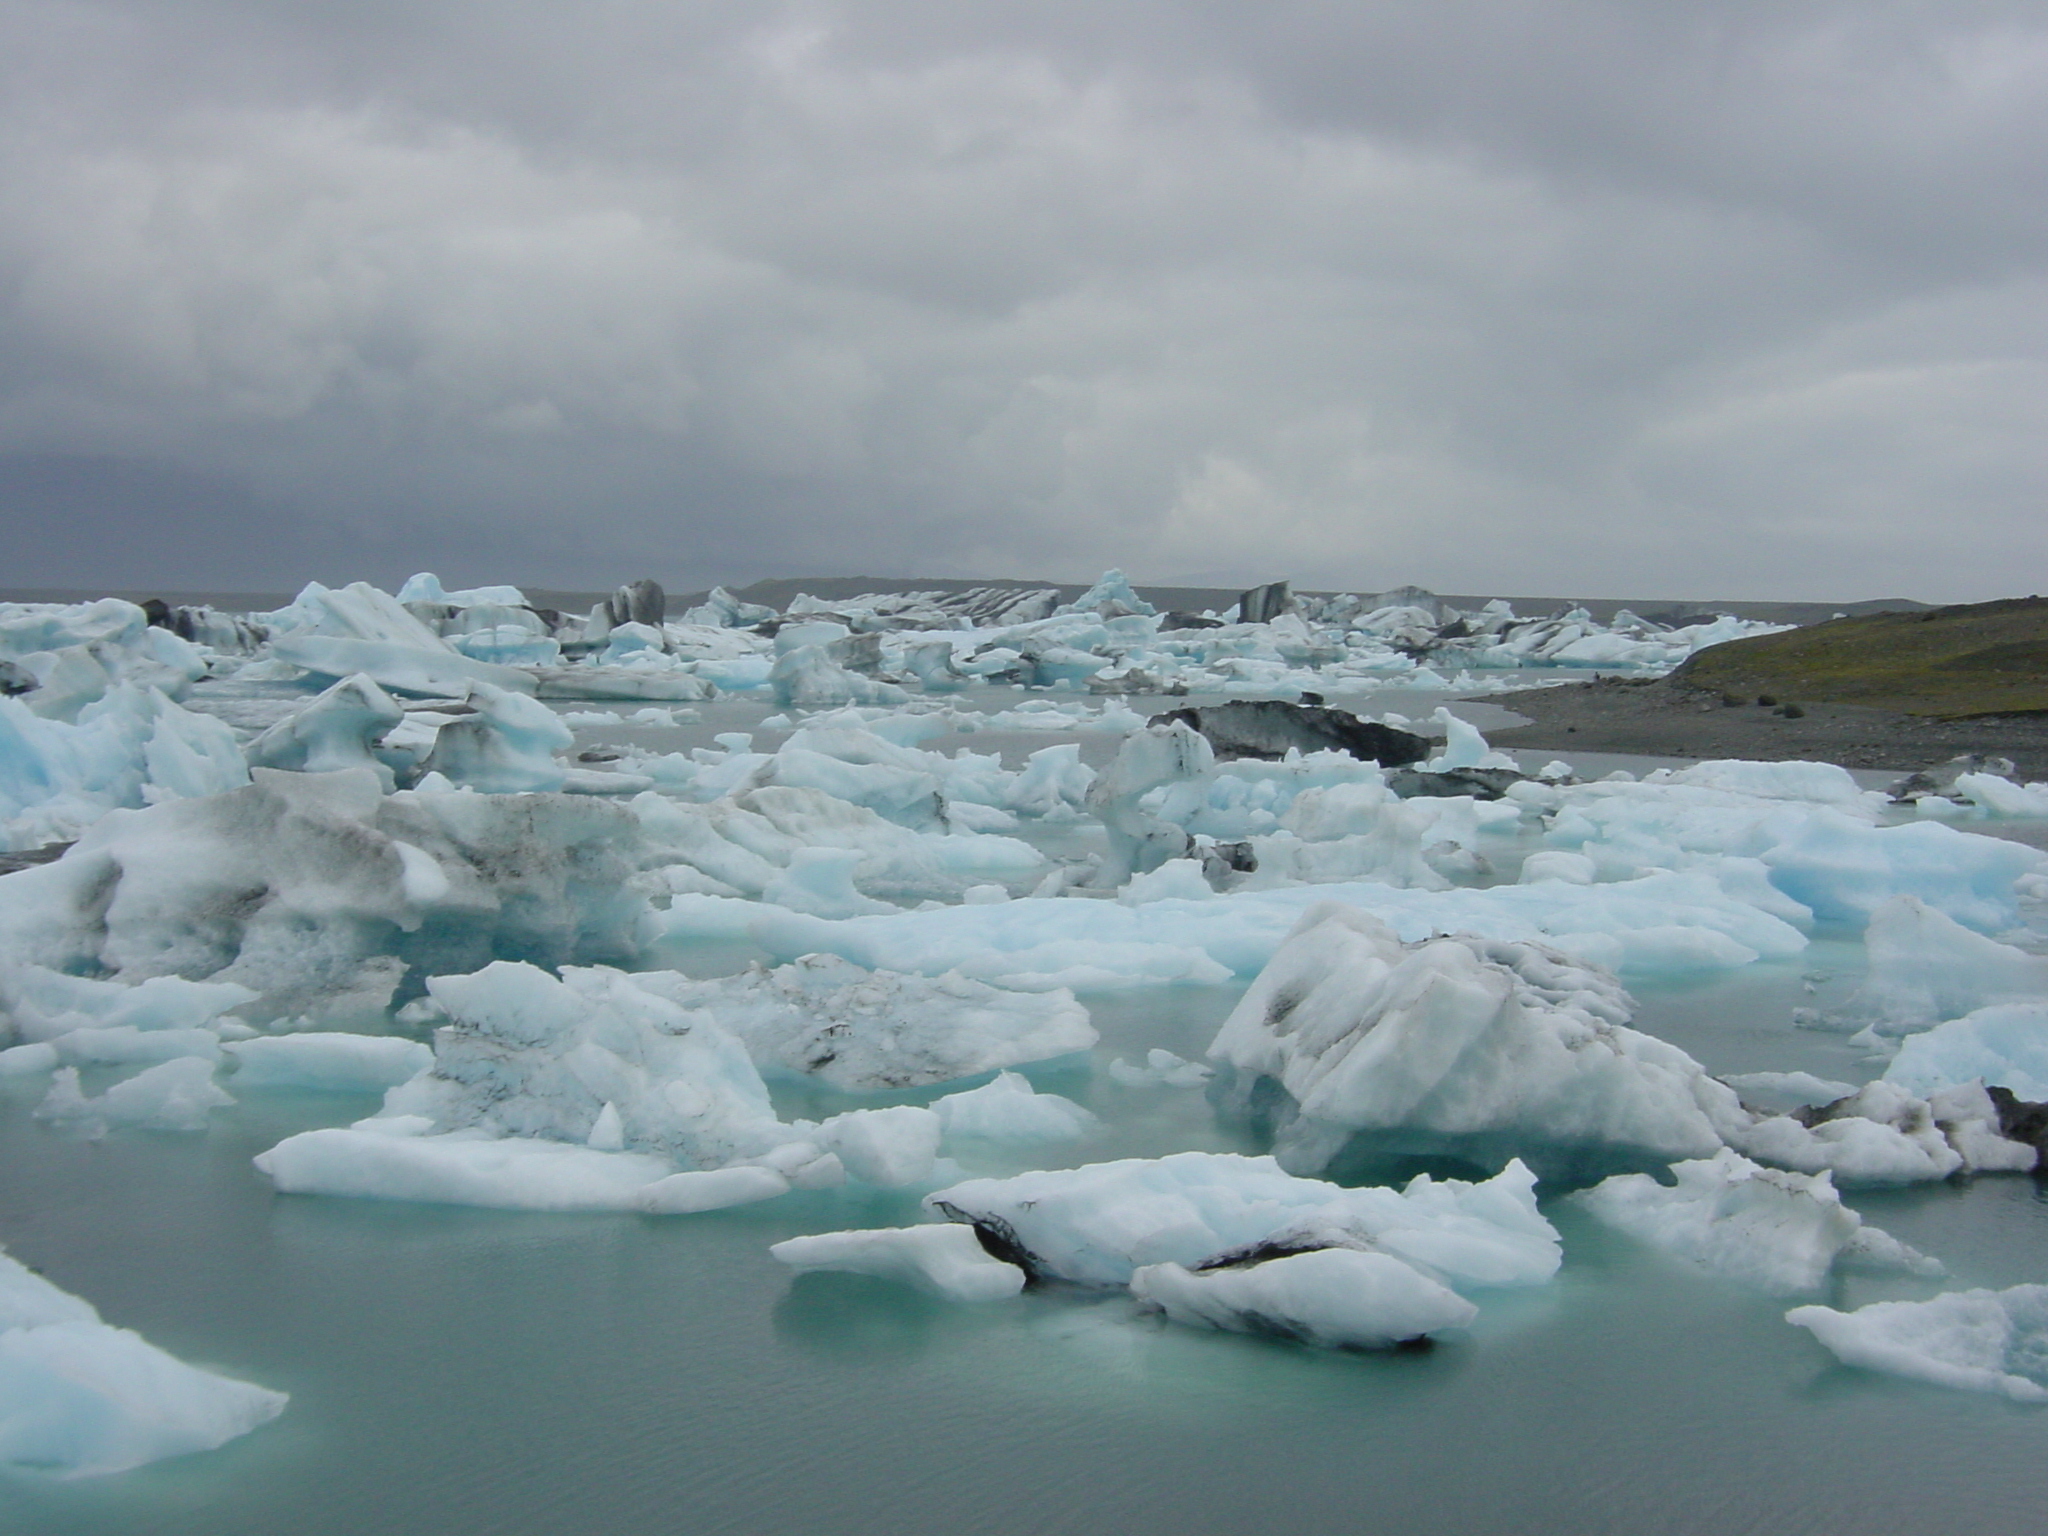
{"points": [[456, 1371]]}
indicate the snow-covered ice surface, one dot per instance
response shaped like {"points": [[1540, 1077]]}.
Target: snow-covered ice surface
{"points": [[765, 996]]}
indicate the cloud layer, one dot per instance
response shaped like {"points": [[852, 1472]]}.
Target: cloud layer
{"points": [[1743, 300]]}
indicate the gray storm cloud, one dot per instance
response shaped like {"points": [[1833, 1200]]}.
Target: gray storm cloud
{"points": [[1741, 300]]}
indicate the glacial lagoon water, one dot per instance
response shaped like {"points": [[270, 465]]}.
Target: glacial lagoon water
{"points": [[462, 1372], [459, 1371]]}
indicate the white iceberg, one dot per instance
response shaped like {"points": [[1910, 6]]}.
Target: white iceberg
{"points": [[943, 1259], [862, 1030], [1782, 1232], [1009, 1109], [1333, 1298], [1924, 967], [80, 1398], [175, 1095], [1978, 1341], [1461, 1044], [329, 1060], [318, 892], [2005, 1046]]}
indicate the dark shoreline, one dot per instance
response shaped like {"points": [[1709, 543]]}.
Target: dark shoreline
{"points": [[1659, 718]]}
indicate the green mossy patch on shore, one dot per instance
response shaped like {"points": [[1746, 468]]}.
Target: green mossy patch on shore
{"points": [[1949, 663]]}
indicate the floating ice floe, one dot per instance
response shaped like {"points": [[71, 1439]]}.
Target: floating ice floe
{"points": [[604, 1090], [127, 747], [328, 1060], [176, 1095], [1978, 1341], [1782, 1232], [943, 1259], [1222, 1241], [1099, 1224], [80, 1398], [861, 1030], [1009, 1109], [336, 634], [817, 852], [1333, 1298], [2004, 1046], [1657, 923], [1924, 967]]}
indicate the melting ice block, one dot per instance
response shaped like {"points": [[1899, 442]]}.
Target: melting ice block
{"points": [[508, 1173], [1925, 966], [1490, 1049], [175, 1095], [328, 1060], [2005, 1045], [1099, 1224], [78, 1397], [338, 729], [863, 1030], [943, 1259], [1979, 1341], [1780, 1231], [1334, 1298], [1009, 1109]]}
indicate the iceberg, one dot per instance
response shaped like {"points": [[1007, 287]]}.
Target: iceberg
{"points": [[1332, 1298], [1977, 1341], [1782, 1232], [175, 1095], [80, 1398], [942, 1259], [862, 1030], [328, 1060], [339, 729], [321, 894], [1009, 1109], [2005, 1046], [1463, 1045], [505, 1173], [1099, 1224], [1925, 967]]}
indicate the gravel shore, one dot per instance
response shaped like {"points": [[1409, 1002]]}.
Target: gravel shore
{"points": [[1659, 718]]}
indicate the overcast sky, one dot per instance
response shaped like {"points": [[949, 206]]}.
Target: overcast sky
{"points": [[1709, 299]]}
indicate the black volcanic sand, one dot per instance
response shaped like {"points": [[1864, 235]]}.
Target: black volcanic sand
{"points": [[1663, 718]]}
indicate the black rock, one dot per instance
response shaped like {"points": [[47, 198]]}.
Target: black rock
{"points": [[1479, 783], [1189, 621], [158, 612], [29, 858], [1267, 728], [1261, 605], [1222, 860], [16, 679], [2021, 1120], [638, 602]]}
